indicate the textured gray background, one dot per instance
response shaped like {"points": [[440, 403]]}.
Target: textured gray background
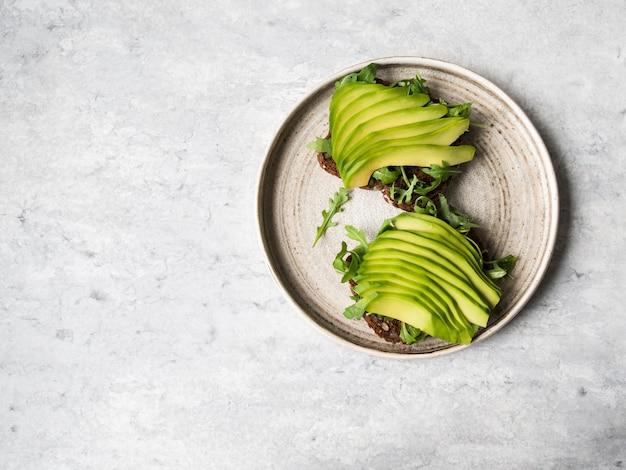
{"points": [[139, 326]]}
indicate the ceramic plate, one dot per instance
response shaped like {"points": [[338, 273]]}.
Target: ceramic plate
{"points": [[509, 189]]}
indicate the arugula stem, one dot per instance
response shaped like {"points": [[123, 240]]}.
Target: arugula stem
{"points": [[405, 177]]}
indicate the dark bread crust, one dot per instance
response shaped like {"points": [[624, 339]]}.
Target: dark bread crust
{"points": [[327, 164], [387, 329]]}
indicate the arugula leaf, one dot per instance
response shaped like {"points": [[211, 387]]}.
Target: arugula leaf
{"points": [[404, 195], [422, 188], [356, 235], [339, 263], [458, 220], [409, 334], [386, 175], [439, 173], [321, 146], [367, 75], [443, 172], [334, 206], [501, 267], [424, 205], [463, 110], [348, 266], [414, 86], [405, 178], [357, 310]]}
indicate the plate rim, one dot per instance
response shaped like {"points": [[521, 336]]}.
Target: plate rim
{"points": [[459, 71]]}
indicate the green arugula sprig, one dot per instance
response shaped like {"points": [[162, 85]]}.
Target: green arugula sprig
{"points": [[367, 75], [404, 195], [335, 205], [357, 309], [425, 205], [386, 175], [416, 186], [462, 110], [409, 334], [457, 219], [320, 145], [440, 174], [414, 85], [501, 267], [347, 262], [460, 221]]}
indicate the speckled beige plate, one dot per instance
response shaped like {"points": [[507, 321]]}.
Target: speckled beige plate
{"points": [[509, 189]]}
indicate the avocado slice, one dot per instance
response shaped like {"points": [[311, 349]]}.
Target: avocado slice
{"points": [[350, 92], [458, 302], [422, 155], [367, 108], [435, 243], [400, 133], [426, 295], [404, 270], [344, 107], [423, 287], [444, 136], [427, 225], [447, 256], [412, 311], [384, 121]]}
